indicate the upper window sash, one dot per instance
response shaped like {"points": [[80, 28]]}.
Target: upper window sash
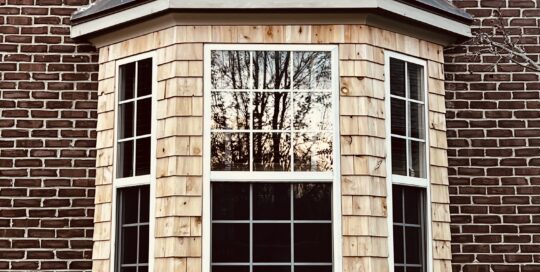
{"points": [[408, 118], [134, 118], [263, 97]]}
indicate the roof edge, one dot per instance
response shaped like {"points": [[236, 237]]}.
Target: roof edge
{"points": [[93, 26]]}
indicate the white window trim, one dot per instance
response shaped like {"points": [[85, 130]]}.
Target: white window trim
{"points": [[135, 180], [405, 180], [333, 177]]}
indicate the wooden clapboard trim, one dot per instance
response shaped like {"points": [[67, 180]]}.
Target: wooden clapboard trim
{"points": [[179, 186], [355, 264], [178, 247], [102, 231], [104, 139], [104, 175], [363, 145], [102, 212], [179, 126], [437, 121], [179, 166], [437, 139], [362, 125], [363, 165], [104, 157], [362, 86], [107, 70], [437, 103], [363, 205], [439, 175], [103, 194], [180, 51], [363, 185], [106, 86], [354, 225], [106, 103], [180, 86], [101, 250], [361, 106]]}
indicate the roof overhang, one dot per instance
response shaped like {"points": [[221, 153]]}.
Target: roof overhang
{"points": [[93, 24]]}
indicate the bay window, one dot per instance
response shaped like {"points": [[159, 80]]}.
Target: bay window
{"points": [[271, 141], [408, 189]]}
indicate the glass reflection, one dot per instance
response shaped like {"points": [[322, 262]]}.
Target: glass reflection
{"points": [[313, 111], [313, 152], [271, 70], [230, 69], [230, 151], [271, 151], [230, 110], [312, 70], [272, 110]]}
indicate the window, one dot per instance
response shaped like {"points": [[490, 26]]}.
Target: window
{"points": [[133, 229], [271, 138], [408, 172], [263, 227], [271, 111], [135, 160], [134, 119]]}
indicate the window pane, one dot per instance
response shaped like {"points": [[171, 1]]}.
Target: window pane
{"points": [[145, 204], [313, 242], [230, 151], [399, 253], [399, 156], [129, 245], [230, 242], [319, 268], [312, 201], [313, 152], [416, 81], [125, 155], [397, 77], [144, 116], [271, 201], [413, 241], [271, 242], [271, 151], [397, 204], [271, 268], [417, 159], [142, 161], [272, 110], [230, 110], [417, 128], [230, 201], [217, 268], [313, 111], [130, 205], [399, 269], [230, 69], [271, 70], [143, 268], [143, 244], [398, 117], [127, 75], [144, 77], [126, 120], [129, 269], [312, 70], [413, 202]]}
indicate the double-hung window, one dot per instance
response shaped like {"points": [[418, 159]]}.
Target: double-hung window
{"points": [[272, 138], [408, 184], [134, 161]]}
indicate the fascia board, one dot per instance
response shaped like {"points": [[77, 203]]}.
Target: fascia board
{"points": [[150, 8]]}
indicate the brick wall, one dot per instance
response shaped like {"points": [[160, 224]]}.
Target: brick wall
{"points": [[493, 125], [47, 128]]}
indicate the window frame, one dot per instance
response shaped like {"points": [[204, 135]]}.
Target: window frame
{"points": [[133, 181], [287, 177], [423, 183]]}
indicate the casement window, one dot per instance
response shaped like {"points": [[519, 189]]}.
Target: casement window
{"points": [[134, 159], [408, 182], [271, 148]]}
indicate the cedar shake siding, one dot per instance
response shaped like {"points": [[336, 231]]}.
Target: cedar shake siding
{"points": [[48, 105], [494, 147]]}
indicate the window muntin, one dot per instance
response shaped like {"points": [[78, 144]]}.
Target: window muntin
{"points": [[408, 132], [134, 119], [133, 217], [271, 111], [271, 227], [409, 228]]}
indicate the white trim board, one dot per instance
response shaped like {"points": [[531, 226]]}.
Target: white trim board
{"points": [[155, 7]]}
